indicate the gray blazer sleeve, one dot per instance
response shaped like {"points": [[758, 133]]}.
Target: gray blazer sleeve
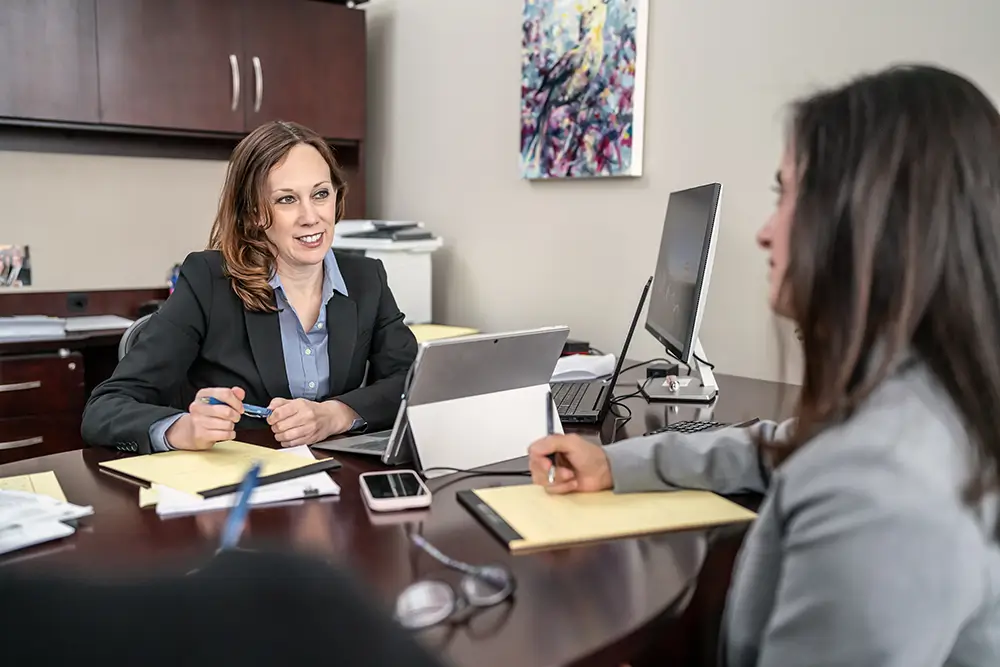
{"points": [[724, 461], [872, 574]]}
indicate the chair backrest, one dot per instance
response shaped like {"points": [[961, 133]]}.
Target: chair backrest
{"points": [[131, 335]]}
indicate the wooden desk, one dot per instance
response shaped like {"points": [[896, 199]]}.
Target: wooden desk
{"points": [[595, 605], [45, 382]]}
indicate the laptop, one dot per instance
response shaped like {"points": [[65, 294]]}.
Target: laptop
{"points": [[454, 368], [588, 401]]}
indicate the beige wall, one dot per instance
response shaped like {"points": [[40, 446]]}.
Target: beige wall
{"points": [[443, 125], [96, 222]]}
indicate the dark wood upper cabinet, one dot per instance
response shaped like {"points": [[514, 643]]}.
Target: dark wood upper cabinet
{"points": [[308, 61], [175, 64], [48, 60], [181, 78]]}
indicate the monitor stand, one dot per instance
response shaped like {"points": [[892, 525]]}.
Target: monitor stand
{"points": [[699, 387]]}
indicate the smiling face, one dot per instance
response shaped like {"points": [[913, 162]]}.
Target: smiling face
{"points": [[303, 206], [774, 236]]}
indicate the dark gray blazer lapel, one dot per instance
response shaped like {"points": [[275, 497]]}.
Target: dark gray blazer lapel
{"points": [[265, 344], [342, 329]]}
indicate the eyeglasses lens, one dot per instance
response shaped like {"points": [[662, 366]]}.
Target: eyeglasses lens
{"points": [[424, 604]]}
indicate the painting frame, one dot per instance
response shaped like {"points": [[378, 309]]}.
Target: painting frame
{"points": [[583, 88]]}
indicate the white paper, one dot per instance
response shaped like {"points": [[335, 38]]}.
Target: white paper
{"points": [[22, 537], [19, 508], [27, 519], [171, 502], [32, 326], [576, 367], [97, 323]]}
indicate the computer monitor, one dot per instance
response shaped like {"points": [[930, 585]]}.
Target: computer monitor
{"points": [[680, 287]]}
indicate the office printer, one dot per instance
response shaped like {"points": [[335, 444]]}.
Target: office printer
{"points": [[405, 250]]}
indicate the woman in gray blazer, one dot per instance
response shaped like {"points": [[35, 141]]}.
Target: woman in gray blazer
{"points": [[877, 541]]}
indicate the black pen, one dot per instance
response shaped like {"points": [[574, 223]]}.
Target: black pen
{"points": [[550, 427]]}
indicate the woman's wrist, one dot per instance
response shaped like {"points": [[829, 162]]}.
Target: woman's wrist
{"points": [[340, 417]]}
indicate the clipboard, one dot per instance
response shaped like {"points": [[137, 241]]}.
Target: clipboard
{"points": [[526, 518], [213, 472]]}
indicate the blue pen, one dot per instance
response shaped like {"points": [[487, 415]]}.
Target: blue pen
{"points": [[233, 528], [248, 410]]}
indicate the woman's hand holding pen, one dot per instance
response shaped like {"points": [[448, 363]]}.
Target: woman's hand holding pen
{"points": [[583, 466], [302, 422], [205, 424]]}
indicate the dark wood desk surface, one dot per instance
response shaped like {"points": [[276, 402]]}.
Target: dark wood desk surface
{"points": [[594, 605]]}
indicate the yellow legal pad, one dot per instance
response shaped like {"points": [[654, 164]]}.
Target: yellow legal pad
{"points": [[44, 483], [213, 471], [527, 518]]}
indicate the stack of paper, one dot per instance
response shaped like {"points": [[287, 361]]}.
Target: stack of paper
{"points": [[96, 323], [32, 326], [34, 510], [172, 502], [578, 367], [216, 471]]}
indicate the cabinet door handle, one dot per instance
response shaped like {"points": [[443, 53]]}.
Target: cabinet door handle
{"points": [[27, 442], [234, 67], [258, 76], [20, 386]]}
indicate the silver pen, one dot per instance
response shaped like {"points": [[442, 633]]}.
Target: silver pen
{"points": [[550, 427]]}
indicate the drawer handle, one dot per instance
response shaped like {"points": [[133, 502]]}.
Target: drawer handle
{"points": [[20, 386], [27, 442]]}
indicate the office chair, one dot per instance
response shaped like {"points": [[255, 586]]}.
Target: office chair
{"points": [[131, 335]]}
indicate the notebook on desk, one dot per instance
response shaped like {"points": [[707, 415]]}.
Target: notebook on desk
{"points": [[214, 472], [526, 518]]}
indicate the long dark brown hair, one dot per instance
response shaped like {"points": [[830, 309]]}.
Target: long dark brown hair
{"points": [[244, 211], [895, 247]]}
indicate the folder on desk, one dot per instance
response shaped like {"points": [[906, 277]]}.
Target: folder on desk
{"points": [[526, 518], [216, 471], [45, 483]]}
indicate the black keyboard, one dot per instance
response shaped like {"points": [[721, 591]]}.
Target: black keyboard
{"points": [[567, 396], [690, 426]]}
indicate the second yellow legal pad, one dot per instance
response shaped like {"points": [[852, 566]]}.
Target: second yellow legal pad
{"points": [[218, 470], [527, 518]]}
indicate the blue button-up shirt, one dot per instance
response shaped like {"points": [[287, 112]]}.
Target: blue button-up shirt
{"points": [[306, 353], [307, 361]]}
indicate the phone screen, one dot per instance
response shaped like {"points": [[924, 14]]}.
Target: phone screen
{"points": [[394, 485]]}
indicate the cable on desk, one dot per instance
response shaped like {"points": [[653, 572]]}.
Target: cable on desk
{"points": [[638, 392], [645, 363], [466, 474], [624, 420], [479, 473], [616, 402]]}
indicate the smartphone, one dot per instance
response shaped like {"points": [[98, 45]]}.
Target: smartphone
{"points": [[394, 490]]}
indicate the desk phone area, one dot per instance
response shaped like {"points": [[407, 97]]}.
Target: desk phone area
{"points": [[602, 602]]}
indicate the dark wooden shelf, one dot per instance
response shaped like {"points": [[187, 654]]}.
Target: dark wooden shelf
{"points": [[18, 134]]}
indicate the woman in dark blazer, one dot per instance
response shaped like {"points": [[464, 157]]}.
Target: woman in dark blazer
{"points": [[270, 316]]}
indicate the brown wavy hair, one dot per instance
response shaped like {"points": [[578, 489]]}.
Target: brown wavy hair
{"points": [[244, 214], [895, 248]]}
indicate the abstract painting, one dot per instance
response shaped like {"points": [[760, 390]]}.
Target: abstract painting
{"points": [[583, 76]]}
